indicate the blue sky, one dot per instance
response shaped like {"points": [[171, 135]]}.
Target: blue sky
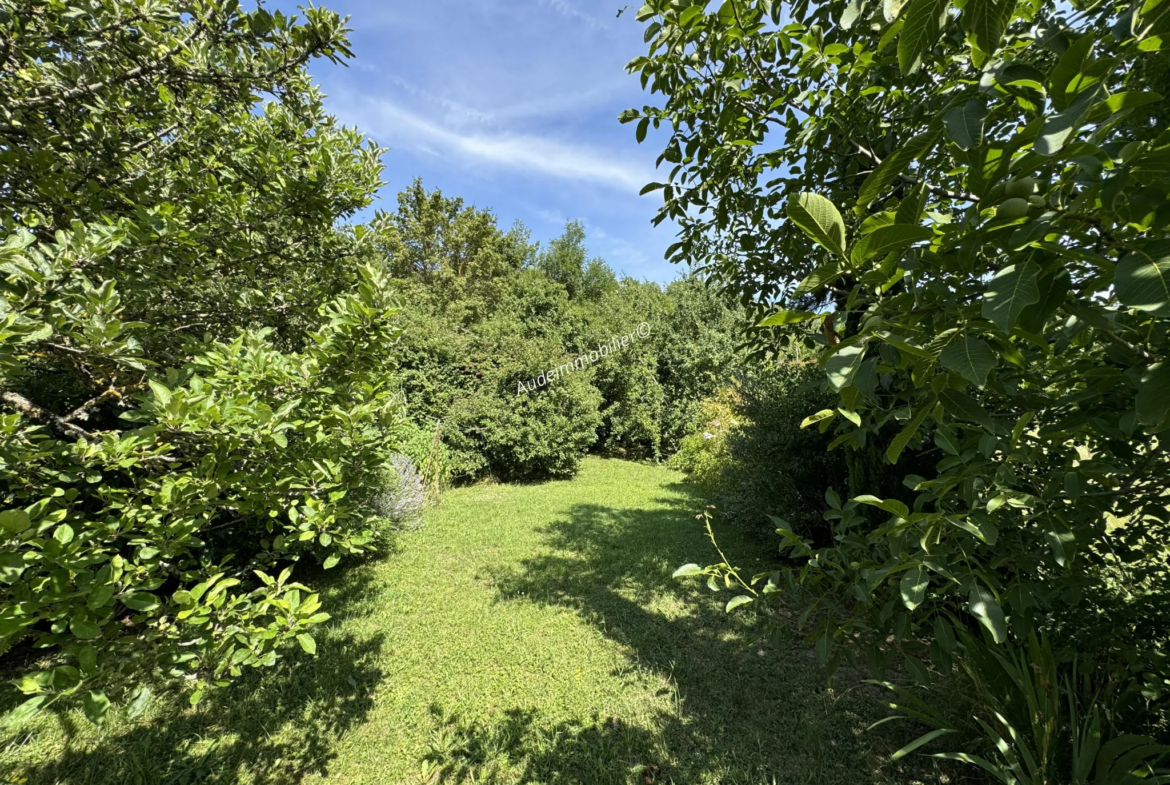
{"points": [[512, 105]]}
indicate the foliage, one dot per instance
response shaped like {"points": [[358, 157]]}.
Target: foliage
{"points": [[487, 313], [703, 453], [775, 468], [971, 200], [151, 483]]}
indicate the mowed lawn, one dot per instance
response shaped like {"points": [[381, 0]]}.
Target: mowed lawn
{"points": [[526, 634]]}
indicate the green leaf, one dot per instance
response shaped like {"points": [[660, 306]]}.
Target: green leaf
{"points": [[1061, 128], [737, 601], [888, 239], [11, 566], [687, 570], [985, 608], [849, 16], [894, 164], [84, 628], [307, 642], [971, 358], [914, 584], [1012, 290], [331, 561], [15, 521], [894, 451], [1078, 55], [141, 602], [24, 712], [63, 534], [984, 22], [964, 407], [892, 506], [642, 128], [787, 317], [95, 704], [904, 345], [1153, 398], [818, 218], [100, 596], [161, 393], [965, 123], [821, 416], [1053, 291], [924, 23], [842, 367], [1142, 279], [139, 703], [818, 279]]}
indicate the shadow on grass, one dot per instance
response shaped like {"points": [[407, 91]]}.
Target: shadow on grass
{"points": [[743, 713], [271, 726]]}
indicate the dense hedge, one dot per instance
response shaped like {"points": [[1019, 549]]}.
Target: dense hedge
{"points": [[486, 313]]}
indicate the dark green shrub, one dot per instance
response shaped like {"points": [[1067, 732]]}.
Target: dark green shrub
{"points": [[776, 468]]}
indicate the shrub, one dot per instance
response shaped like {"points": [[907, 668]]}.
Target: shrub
{"points": [[156, 489], [776, 468]]}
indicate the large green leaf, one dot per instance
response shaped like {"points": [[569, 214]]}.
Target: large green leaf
{"points": [[1142, 279], [1078, 55], [1012, 290], [964, 407], [971, 358], [965, 123], [1053, 291], [880, 179], [842, 367], [904, 437], [924, 23], [819, 278], [888, 239], [1153, 398], [914, 584], [984, 22], [782, 317], [818, 218], [14, 521], [1060, 129], [985, 608]]}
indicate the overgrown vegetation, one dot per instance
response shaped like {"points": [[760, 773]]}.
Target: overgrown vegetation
{"points": [[192, 363], [487, 314], [971, 202]]}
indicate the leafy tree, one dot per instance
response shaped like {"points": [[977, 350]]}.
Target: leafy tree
{"points": [[566, 262], [192, 362], [971, 201]]}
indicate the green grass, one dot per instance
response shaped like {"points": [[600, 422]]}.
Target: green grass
{"points": [[527, 634]]}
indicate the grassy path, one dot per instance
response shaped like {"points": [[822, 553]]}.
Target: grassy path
{"points": [[527, 634]]}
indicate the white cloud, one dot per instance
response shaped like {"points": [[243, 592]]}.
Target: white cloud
{"points": [[567, 9], [397, 127]]}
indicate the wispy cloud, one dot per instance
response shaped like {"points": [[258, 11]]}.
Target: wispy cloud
{"points": [[398, 127], [565, 8]]}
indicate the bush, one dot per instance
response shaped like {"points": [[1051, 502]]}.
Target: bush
{"points": [[753, 459], [157, 489]]}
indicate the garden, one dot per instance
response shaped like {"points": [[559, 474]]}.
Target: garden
{"points": [[299, 487]]}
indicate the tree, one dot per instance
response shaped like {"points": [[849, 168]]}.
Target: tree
{"points": [[566, 262], [971, 200], [192, 361]]}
